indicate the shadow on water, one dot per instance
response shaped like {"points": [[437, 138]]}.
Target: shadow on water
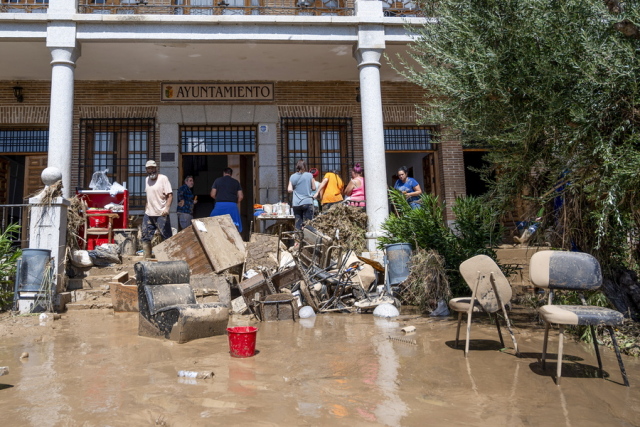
{"points": [[569, 370], [3, 386], [475, 345], [550, 356]]}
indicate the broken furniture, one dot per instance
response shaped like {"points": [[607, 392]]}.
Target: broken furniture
{"points": [[124, 293], [490, 291], [573, 271], [102, 226], [168, 306], [100, 230], [262, 294], [261, 220]]}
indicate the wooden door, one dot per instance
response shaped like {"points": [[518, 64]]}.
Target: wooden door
{"points": [[430, 174], [5, 170], [34, 165]]}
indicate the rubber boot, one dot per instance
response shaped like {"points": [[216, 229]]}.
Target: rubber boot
{"points": [[146, 248]]}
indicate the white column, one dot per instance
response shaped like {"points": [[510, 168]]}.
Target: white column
{"points": [[64, 53], [367, 52]]}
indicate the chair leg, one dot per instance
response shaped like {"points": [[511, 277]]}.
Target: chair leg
{"points": [[560, 345], [499, 331], [615, 345], [466, 346], [544, 345], [595, 345], [458, 330]]}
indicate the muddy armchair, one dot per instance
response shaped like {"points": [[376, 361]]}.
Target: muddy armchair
{"points": [[168, 307]]}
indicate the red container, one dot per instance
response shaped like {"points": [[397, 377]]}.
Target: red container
{"points": [[242, 341], [98, 221]]}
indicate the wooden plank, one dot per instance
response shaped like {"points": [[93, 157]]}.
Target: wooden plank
{"points": [[220, 240], [184, 246], [124, 295]]}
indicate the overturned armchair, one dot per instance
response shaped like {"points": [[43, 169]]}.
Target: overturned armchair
{"points": [[168, 306]]}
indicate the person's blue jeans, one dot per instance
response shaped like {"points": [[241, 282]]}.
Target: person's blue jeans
{"points": [[152, 223], [302, 214]]}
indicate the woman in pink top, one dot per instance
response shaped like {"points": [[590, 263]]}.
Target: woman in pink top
{"points": [[355, 189]]}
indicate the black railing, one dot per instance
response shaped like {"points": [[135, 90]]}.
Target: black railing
{"points": [[16, 214]]}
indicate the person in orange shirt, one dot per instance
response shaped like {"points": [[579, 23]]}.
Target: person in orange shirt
{"points": [[330, 190]]}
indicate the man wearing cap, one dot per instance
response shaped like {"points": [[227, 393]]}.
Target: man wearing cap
{"points": [[156, 212]]}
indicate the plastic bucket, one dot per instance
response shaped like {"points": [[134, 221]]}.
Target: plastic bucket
{"points": [[242, 341], [398, 261], [32, 268], [98, 221]]}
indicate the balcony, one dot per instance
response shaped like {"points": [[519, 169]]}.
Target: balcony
{"points": [[405, 8]]}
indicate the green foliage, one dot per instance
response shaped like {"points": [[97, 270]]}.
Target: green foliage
{"points": [[475, 232], [553, 87], [9, 255]]}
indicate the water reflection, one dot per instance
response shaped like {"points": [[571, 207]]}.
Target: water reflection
{"points": [[391, 410]]}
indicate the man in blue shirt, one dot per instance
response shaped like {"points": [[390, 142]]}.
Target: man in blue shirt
{"points": [[186, 200], [409, 187]]}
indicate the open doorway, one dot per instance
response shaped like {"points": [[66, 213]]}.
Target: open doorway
{"points": [[473, 161], [421, 166], [206, 168]]}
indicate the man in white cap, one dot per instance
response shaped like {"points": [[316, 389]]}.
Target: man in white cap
{"points": [[156, 212]]}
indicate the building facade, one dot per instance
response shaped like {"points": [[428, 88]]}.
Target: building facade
{"points": [[255, 85]]}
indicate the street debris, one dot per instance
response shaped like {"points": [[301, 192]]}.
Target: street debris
{"points": [[197, 375], [403, 340]]}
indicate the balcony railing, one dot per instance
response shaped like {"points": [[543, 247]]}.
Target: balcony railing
{"points": [[404, 8]]}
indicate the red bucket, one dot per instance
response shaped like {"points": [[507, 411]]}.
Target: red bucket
{"points": [[242, 340]]}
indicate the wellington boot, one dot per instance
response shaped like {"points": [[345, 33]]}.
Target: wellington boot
{"points": [[146, 248]]}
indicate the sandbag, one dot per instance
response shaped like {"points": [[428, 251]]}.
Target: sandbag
{"points": [[80, 258], [105, 255]]}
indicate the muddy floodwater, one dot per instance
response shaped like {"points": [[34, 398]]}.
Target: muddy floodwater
{"points": [[90, 368]]}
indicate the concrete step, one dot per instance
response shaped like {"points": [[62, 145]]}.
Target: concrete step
{"points": [[91, 305]]}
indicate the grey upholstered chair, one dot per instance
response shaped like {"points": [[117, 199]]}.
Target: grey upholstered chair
{"points": [[577, 272], [490, 291]]}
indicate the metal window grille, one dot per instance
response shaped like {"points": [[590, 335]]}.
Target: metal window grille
{"points": [[325, 144], [19, 140], [122, 147], [218, 139], [408, 138]]}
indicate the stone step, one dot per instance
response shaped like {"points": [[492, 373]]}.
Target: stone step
{"points": [[91, 305]]}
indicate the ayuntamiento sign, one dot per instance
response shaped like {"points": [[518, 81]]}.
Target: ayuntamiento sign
{"points": [[206, 92]]}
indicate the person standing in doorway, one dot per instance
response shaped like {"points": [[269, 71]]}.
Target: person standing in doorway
{"points": [[227, 193], [330, 190], [409, 187], [156, 212], [355, 188], [302, 185], [186, 202]]}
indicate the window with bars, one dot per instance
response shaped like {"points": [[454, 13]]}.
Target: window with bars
{"points": [[21, 140], [120, 146], [408, 138], [218, 139], [325, 144]]}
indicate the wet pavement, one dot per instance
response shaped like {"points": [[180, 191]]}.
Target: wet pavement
{"points": [[91, 368]]}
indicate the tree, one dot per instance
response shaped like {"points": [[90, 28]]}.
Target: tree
{"points": [[552, 86]]}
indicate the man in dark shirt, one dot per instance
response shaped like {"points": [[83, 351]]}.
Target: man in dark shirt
{"points": [[227, 193], [186, 200]]}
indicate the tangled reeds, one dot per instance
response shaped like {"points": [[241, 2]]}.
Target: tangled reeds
{"points": [[427, 282], [349, 220]]}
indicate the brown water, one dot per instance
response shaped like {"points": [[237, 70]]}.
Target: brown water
{"points": [[91, 368]]}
